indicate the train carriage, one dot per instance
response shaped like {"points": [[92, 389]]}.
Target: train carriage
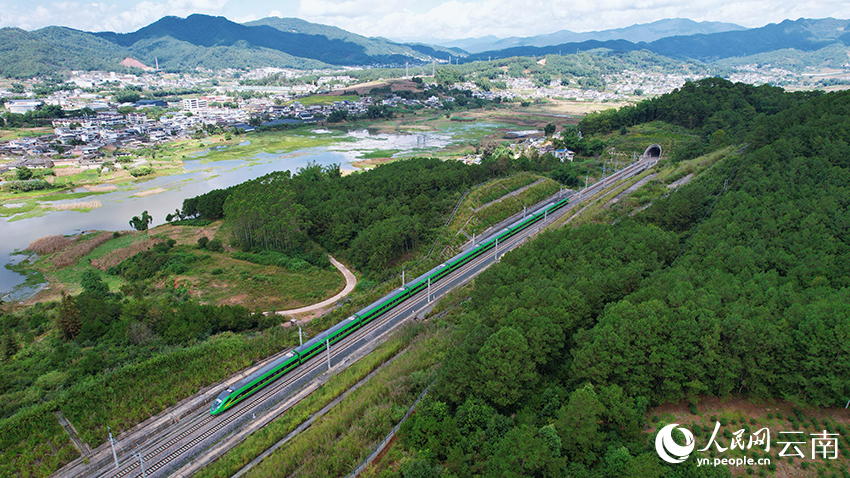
{"points": [[257, 380]]}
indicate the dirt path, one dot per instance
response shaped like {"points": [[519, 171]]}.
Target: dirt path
{"points": [[350, 282]]}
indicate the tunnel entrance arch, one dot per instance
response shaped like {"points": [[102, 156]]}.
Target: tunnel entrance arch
{"points": [[653, 152]]}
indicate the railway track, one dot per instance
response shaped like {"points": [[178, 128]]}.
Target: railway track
{"points": [[198, 431]]}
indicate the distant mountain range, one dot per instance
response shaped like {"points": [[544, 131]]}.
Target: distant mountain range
{"points": [[202, 41], [801, 35], [645, 32], [182, 44]]}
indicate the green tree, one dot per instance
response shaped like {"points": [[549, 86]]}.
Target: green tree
{"points": [[8, 345], [68, 319], [23, 173], [521, 453], [264, 213], [337, 116], [505, 371], [550, 435], [578, 424], [141, 223], [92, 283], [549, 129], [215, 245]]}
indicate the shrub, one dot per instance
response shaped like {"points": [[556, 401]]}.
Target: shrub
{"points": [[202, 242], [693, 408], [214, 245], [191, 222], [217, 271], [141, 171], [24, 186]]}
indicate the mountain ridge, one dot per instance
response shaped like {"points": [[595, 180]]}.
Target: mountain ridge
{"points": [[641, 32], [208, 42], [802, 34]]}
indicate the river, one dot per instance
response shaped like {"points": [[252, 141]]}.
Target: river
{"points": [[120, 205]]}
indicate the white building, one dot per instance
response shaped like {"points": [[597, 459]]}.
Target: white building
{"points": [[22, 106], [194, 104]]}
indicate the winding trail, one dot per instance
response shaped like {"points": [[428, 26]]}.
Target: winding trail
{"points": [[350, 282]]}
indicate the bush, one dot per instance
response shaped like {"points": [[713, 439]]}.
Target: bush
{"points": [[217, 271], [191, 222], [23, 174], [693, 408], [25, 186], [268, 321], [202, 242], [141, 171], [215, 245]]}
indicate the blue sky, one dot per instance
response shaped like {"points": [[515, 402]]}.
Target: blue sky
{"points": [[425, 19]]}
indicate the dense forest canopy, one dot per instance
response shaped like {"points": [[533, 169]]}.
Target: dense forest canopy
{"points": [[374, 219], [736, 284]]}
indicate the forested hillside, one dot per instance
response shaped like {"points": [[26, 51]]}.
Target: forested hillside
{"points": [[375, 219], [737, 284]]}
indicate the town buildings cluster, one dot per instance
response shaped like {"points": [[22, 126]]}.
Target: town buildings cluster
{"points": [[85, 140]]}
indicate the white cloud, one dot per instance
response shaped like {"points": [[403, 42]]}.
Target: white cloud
{"points": [[103, 16], [458, 19]]}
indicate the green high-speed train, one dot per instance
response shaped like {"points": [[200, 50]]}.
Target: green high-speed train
{"points": [[259, 379]]}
